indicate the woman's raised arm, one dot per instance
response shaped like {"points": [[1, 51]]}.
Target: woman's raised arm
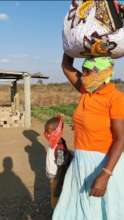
{"points": [[73, 75]]}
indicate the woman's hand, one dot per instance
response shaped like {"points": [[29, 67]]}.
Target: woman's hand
{"points": [[99, 186]]}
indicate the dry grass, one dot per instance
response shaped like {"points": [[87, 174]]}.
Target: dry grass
{"points": [[54, 94], [46, 95]]}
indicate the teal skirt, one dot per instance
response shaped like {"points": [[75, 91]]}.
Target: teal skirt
{"points": [[75, 202]]}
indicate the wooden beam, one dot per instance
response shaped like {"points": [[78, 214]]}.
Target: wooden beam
{"points": [[40, 77], [10, 77], [5, 78]]}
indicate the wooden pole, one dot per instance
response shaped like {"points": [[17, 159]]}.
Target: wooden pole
{"points": [[13, 94], [27, 99], [17, 103]]}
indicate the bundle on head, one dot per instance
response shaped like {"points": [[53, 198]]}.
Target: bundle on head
{"points": [[94, 28]]}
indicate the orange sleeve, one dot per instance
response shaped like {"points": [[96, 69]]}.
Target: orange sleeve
{"points": [[117, 107]]}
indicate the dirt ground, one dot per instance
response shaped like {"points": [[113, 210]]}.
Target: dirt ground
{"points": [[24, 188]]}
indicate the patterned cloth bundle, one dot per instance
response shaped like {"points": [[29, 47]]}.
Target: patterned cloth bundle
{"points": [[94, 28]]}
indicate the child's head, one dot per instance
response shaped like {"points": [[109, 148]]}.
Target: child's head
{"points": [[52, 124], [53, 130]]}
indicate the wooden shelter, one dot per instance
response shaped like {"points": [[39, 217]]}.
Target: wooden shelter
{"points": [[14, 76]]}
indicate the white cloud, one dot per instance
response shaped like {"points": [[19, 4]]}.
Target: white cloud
{"points": [[3, 17], [4, 60]]}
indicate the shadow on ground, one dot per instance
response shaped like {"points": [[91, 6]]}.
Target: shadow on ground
{"points": [[15, 199], [16, 202], [36, 155]]}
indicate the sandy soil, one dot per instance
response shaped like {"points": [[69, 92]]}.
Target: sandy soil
{"points": [[24, 188]]}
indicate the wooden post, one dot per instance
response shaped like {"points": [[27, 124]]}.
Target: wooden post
{"points": [[17, 103], [13, 94], [13, 90], [14, 97], [27, 99]]}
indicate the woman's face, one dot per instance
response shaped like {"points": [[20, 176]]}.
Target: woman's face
{"points": [[87, 72], [92, 80]]}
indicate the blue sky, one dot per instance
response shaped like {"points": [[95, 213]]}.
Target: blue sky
{"points": [[31, 38]]}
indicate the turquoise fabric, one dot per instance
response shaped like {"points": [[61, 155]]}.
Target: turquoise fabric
{"points": [[75, 202]]}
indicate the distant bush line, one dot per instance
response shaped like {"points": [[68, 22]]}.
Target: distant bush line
{"points": [[45, 112]]}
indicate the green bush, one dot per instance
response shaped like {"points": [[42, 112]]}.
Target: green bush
{"points": [[44, 113]]}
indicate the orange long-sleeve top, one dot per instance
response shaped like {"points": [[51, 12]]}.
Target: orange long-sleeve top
{"points": [[92, 118]]}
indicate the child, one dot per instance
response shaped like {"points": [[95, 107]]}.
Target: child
{"points": [[58, 156]]}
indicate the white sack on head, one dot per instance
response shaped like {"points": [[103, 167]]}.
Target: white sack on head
{"points": [[93, 27]]}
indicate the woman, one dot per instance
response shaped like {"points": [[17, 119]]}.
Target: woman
{"points": [[93, 186]]}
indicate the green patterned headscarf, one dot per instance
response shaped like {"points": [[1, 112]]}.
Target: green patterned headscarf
{"points": [[99, 63]]}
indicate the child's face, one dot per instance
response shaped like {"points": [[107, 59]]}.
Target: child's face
{"points": [[50, 128]]}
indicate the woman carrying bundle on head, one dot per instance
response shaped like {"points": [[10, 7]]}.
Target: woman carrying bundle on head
{"points": [[93, 185]]}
